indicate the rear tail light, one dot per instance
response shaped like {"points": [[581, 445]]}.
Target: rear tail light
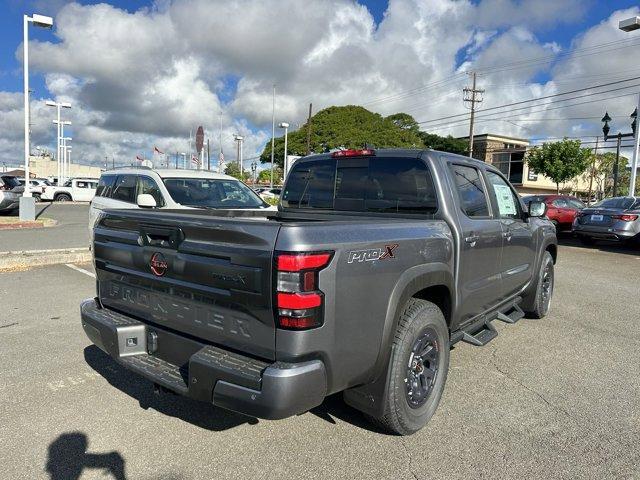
{"points": [[4, 187], [626, 217], [299, 301], [365, 152]]}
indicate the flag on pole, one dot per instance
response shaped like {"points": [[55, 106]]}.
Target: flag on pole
{"points": [[140, 159], [157, 150], [195, 160], [221, 162]]}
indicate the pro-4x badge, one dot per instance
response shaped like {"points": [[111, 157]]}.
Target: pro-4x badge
{"points": [[372, 254], [158, 264]]}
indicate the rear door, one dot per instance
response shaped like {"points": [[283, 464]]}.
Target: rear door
{"points": [[204, 276], [519, 248], [481, 243]]}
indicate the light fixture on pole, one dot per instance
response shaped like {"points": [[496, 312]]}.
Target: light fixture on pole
{"points": [[59, 106], [619, 136], [239, 139], [629, 25], [285, 163], [27, 202]]}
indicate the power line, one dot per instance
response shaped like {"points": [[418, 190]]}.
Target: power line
{"points": [[540, 98], [457, 123]]}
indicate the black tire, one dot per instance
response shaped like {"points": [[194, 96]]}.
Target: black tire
{"points": [[421, 325], [37, 197], [63, 197], [587, 240], [544, 289]]}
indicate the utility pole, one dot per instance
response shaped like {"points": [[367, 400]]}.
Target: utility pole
{"points": [[593, 168], [106, 162], [208, 155], [471, 96], [309, 130]]}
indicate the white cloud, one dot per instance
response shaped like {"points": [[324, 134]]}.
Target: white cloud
{"points": [[146, 78]]}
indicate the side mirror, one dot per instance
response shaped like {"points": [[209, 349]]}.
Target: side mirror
{"points": [[146, 201], [537, 209]]}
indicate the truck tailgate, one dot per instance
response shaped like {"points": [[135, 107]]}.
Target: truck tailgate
{"points": [[200, 275]]}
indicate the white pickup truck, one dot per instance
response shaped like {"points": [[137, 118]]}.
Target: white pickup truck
{"points": [[76, 190]]}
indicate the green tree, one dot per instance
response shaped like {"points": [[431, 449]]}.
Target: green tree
{"points": [[233, 170], [348, 126], [445, 144], [599, 174], [265, 175], [559, 161]]}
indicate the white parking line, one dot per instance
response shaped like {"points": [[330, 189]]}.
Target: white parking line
{"points": [[81, 270]]}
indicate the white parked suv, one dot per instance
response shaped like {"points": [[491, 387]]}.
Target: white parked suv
{"points": [[76, 190], [143, 187]]}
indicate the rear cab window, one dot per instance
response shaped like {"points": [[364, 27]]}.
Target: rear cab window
{"points": [[471, 191], [362, 184]]}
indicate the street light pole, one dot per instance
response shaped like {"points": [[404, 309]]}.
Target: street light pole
{"points": [[285, 163], [27, 202], [273, 131], [629, 25], [59, 106]]}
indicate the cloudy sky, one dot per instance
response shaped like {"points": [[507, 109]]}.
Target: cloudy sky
{"points": [[140, 74]]}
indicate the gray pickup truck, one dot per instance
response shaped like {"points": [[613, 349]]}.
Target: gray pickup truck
{"points": [[375, 263]]}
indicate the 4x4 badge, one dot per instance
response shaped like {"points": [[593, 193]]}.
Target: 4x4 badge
{"points": [[158, 264]]}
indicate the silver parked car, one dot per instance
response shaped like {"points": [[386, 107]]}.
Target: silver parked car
{"points": [[10, 193], [616, 218]]}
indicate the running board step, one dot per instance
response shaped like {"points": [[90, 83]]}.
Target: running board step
{"points": [[481, 337], [511, 316]]}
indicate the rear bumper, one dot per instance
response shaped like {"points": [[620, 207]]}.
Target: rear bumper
{"points": [[204, 372], [615, 231]]}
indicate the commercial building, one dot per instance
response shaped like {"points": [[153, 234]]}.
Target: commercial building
{"points": [[44, 166], [508, 155]]}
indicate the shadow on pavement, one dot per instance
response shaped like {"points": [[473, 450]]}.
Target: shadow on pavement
{"points": [[567, 239], [68, 457], [43, 208], [197, 413], [334, 407]]}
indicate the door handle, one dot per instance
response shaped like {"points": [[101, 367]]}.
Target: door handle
{"points": [[472, 239]]}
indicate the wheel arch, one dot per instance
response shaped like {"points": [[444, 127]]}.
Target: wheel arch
{"points": [[432, 282]]}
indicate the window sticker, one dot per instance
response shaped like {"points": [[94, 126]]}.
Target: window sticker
{"points": [[506, 205]]}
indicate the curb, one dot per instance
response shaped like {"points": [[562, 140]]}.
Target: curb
{"points": [[37, 258]]}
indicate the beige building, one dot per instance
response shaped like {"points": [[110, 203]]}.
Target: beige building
{"points": [[508, 155], [46, 167]]}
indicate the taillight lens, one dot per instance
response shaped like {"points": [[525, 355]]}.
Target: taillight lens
{"points": [[299, 301], [626, 217]]}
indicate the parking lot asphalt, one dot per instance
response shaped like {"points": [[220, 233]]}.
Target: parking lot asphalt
{"points": [[71, 230], [551, 398]]}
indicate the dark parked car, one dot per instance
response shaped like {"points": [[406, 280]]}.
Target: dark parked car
{"points": [[374, 265], [616, 218], [561, 209]]}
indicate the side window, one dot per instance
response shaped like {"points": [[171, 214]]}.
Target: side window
{"points": [[82, 185], [508, 203], [473, 197], [149, 186], [560, 203], [105, 185], [124, 189]]}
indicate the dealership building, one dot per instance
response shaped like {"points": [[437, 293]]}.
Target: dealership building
{"points": [[508, 155]]}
